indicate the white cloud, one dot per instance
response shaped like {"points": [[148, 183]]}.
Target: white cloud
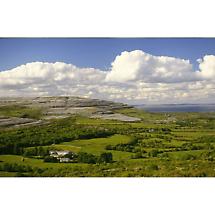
{"points": [[138, 65], [207, 67], [135, 77], [56, 72]]}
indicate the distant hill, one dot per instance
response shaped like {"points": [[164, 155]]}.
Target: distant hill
{"points": [[60, 102], [22, 111]]}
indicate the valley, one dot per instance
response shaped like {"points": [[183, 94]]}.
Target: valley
{"points": [[81, 137]]}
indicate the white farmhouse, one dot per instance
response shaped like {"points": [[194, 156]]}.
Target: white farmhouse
{"points": [[55, 153], [64, 160]]}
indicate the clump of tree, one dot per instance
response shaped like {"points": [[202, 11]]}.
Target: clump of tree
{"points": [[14, 167], [196, 146], [152, 143], [35, 151], [154, 153], [83, 157], [50, 159], [127, 147], [139, 154], [105, 157]]}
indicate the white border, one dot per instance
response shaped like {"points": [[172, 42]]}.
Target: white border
{"points": [[97, 18], [107, 196]]}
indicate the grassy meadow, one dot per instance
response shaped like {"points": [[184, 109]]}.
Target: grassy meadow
{"points": [[160, 145]]}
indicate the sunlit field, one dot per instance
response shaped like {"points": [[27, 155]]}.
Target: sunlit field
{"points": [[160, 144]]}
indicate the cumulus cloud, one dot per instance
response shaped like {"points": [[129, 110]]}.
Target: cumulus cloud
{"points": [[138, 65], [134, 77], [48, 78], [56, 72], [207, 67]]}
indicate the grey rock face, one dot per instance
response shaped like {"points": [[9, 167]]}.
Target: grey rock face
{"points": [[63, 106], [60, 102]]}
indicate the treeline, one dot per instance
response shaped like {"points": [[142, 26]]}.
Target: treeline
{"points": [[127, 129], [35, 151], [128, 147], [14, 167], [137, 145], [192, 146], [205, 139]]}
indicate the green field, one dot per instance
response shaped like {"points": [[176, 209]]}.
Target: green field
{"points": [[161, 144], [97, 145], [20, 111]]}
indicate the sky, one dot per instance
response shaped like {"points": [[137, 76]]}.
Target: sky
{"points": [[130, 70], [96, 52]]}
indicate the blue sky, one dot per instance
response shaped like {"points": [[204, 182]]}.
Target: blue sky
{"points": [[97, 52], [143, 70]]}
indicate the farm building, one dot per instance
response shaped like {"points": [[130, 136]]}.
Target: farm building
{"points": [[64, 160], [55, 153]]}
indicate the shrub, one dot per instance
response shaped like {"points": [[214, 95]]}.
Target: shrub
{"points": [[105, 157], [50, 159], [83, 157]]}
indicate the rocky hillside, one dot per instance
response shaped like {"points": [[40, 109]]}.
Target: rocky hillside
{"points": [[61, 102], [36, 110]]}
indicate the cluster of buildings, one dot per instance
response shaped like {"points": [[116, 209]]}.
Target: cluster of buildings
{"points": [[62, 155]]}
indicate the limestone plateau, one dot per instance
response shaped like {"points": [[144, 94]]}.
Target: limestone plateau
{"points": [[60, 107]]}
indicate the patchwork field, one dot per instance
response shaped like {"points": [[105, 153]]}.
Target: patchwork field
{"points": [[157, 144]]}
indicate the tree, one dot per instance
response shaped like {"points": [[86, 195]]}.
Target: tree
{"points": [[84, 157], [16, 149], [28, 152], [106, 157], [42, 151]]}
